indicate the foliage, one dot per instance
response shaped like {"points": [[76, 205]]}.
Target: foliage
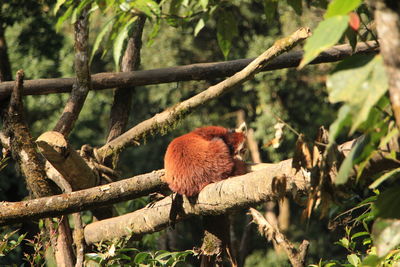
{"points": [[7, 243], [354, 103], [116, 254]]}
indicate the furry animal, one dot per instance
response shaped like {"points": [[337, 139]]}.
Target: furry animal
{"points": [[203, 156]]}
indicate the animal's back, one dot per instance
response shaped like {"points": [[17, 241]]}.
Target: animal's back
{"points": [[193, 161]]}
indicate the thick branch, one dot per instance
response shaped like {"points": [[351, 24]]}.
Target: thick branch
{"points": [[83, 85], [141, 185], [168, 117], [387, 16], [201, 71], [121, 106], [218, 198], [22, 147], [64, 158]]}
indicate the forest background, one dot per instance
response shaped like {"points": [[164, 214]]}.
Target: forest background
{"points": [[40, 40]]}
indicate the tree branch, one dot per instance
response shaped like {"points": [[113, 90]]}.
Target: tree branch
{"points": [[296, 256], [64, 158], [138, 186], [121, 106], [200, 71], [168, 117], [22, 147], [81, 88], [218, 198]]}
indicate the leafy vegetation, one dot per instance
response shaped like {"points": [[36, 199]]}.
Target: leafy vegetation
{"points": [[350, 98]]}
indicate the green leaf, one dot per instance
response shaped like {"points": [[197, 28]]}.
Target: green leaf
{"points": [[100, 37], [371, 261], [141, 257], [200, 25], [148, 7], [270, 7], [227, 29], [204, 4], [341, 7], [359, 81], [175, 6], [58, 5], [64, 17], [296, 5], [154, 32], [384, 177], [386, 235], [343, 120], [353, 259], [348, 163], [388, 203], [359, 234], [327, 34], [78, 10], [120, 40]]}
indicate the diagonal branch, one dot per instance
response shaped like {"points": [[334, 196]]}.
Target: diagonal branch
{"points": [[121, 106], [83, 84], [296, 256], [199, 71], [165, 119], [22, 147]]}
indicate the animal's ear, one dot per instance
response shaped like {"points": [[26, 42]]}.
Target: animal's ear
{"points": [[242, 128]]}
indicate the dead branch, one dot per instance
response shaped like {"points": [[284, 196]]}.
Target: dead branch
{"points": [[22, 148], [387, 16], [121, 106], [55, 148], [138, 186], [218, 198], [270, 231], [165, 119], [200, 71], [81, 88]]}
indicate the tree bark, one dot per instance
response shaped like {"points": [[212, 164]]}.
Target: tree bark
{"points": [[81, 87], [121, 106], [387, 15], [22, 148], [67, 162], [200, 71]]}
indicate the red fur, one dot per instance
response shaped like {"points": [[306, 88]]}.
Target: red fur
{"points": [[201, 157]]}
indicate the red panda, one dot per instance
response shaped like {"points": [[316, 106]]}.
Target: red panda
{"points": [[203, 156]]}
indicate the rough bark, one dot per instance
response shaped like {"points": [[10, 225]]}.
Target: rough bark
{"points": [[81, 87], [73, 168], [138, 186], [201, 71], [164, 120], [121, 106], [387, 15], [22, 147]]}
